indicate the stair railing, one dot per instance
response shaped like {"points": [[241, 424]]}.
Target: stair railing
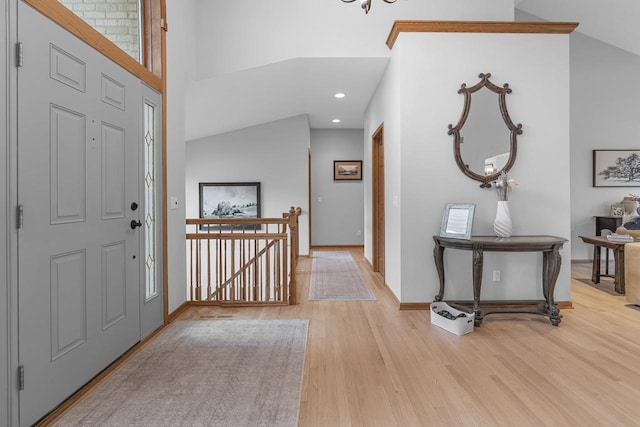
{"points": [[242, 262]]}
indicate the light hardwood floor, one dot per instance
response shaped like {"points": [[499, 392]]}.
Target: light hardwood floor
{"points": [[369, 364]]}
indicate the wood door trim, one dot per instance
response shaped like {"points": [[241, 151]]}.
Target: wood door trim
{"points": [[309, 196], [75, 25], [515, 27], [375, 195], [165, 198]]}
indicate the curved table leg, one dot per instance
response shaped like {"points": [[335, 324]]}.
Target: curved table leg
{"points": [[438, 256], [477, 282], [550, 270]]}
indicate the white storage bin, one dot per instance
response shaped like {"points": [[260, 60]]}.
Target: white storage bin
{"points": [[460, 326]]}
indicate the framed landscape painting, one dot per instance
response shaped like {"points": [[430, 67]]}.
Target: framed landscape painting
{"points": [[229, 200], [347, 170], [616, 168]]}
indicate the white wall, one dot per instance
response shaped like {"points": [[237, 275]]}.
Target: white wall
{"points": [[237, 35], [605, 101], [537, 69], [385, 108], [274, 154], [603, 115], [180, 59], [337, 206]]}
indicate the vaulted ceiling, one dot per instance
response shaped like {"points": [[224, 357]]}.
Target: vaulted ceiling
{"points": [[299, 85], [613, 21]]}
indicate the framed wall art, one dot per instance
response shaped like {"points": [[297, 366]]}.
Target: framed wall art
{"points": [[347, 170], [616, 168], [229, 200]]}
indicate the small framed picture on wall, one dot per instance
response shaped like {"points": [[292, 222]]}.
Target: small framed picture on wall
{"points": [[347, 170]]}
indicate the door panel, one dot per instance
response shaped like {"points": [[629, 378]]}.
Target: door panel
{"points": [[78, 257], [113, 188], [67, 162], [67, 69], [68, 302], [114, 284]]}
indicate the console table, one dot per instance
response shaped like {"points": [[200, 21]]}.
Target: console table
{"points": [[610, 223], [549, 246], [618, 257]]}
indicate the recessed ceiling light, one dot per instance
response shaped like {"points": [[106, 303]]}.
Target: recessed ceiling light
{"points": [[336, 120], [339, 95]]}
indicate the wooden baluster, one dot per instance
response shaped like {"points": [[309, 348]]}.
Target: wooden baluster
{"points": [[197, 291], [238, 268], [277, 280], [208, 268], [228, 277], [191, 269], [245, 286], [221, 289], [269, 274], [293, 233], [254, 269]]}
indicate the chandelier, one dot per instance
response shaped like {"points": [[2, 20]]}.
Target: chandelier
{"points": [[366, 4]]}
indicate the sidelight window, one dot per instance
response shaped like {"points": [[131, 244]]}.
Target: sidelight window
{"points": [[150, 190]]}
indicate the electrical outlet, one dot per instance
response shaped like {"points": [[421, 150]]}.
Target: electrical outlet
{"points": [[359, 233], [496, 275]]}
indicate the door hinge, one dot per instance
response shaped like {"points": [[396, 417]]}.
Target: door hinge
{"points": [[21, 377], [19, 54], [19, 217]]}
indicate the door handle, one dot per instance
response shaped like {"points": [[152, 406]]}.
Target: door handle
{"points": [[135, 224]]}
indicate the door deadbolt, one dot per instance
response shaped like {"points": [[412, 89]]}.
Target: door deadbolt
{"points": [[134, 206]]}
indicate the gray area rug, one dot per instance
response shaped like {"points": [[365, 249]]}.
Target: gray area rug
{"points": [[204, 373], [335, 276]]}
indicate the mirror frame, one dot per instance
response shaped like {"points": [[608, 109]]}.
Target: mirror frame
{"points": [[514, 129]]}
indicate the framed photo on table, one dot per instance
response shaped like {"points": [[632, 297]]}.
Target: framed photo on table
{"points": [[457, 220], [617, 210]]}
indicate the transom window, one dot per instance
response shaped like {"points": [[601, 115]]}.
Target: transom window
{"points": [[118, 20]]}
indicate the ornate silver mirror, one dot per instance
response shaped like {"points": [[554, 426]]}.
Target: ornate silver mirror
{"points": [[488, 145]]}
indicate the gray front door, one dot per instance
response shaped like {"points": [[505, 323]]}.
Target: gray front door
{"points": [[78, 177]]}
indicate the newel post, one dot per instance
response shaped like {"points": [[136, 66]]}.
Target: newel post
{"points": [[293, 228]]}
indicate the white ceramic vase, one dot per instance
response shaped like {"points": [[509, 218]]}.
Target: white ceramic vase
{"points": [[502, 225]]}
